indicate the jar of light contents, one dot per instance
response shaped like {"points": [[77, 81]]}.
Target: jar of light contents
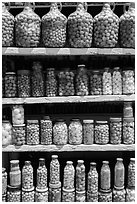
{"points": [[107, 82], [128, 131], [131, 173], [55, 192], [10, 84], [118, 195], [115, 130], [19, 134], [41, 195], [4, 181], [105, 176], [105, 196], [117, 81], [101, 132], [13, 194], [119, 174], [80, 196], [75, 132], [32, 132], [96, 82], [46, 130], [28, 195], [27, 176], [88, 132], [69, 176], [54, 170], [80, 176], [6, 133], [68, 195], [42, 175], [92, 197], [128, 81], [18, 115], [93, 180], [51, 83], [15, 173], [130, 194]]}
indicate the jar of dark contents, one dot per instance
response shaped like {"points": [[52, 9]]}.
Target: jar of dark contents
{"points": [[4, 181], [60, 132], [19, 135], [37, 80], [54, 170], [51, 83], [46, 130], [75, 132], [6, 133], [118, 195], [105, 196], [92, 179], [15, 173], [55, 192], [107, 82], [88, 132], [68, 195], [128, 131], [131, 173], [105, 176], [115, 130], [42, 175], [127, 110], [80, 196], [66, 83], [3, 87], [96, 82], [130, 194], [101, 132], [80, 176], [13, 194], [24, 85], [117, 81], [119, 174], [82, 81], [28, 195], [17, 115], [41, 195], [4, 198], [92, 197], [32, 132], [10, 84], [27, 176], [128, 81], [69, 176]]}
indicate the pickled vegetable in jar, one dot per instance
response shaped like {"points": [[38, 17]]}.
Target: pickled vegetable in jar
{"points": [[105, 196], [118, 195], [82, 81], [128, 131], [69, 176], [130, 194], [106, 27], [107, 82], [19, 135], [128, 81], [17, 115], [80, 196], [55, 192], [27, 27], [101, 132], [128, 110], [88, 132], [68, 195], [41, 195], [46, 130], [54, 27], [28, 195], [115, 130], [6, 133], [80, 27], [54, 170], [4, 181], [27, 176], [105, 176], [42, 175], [119, 174], [51, 83], [92, 179], [117, 81], [32, 132], [15, 173], [75, 132], [131, 173], [80, 176], [7, 27], [10, 84], [96, 82], [13, 194]]}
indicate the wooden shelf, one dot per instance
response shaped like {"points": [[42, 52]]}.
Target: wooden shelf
{"points": [[68, 148], [67, 51]]}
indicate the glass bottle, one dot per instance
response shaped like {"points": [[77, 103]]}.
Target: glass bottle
{"points": [[128, 81], [69, 176], [115, 130], [128, 131], [13, 194], [117, 81], [27, 176], [105, 176], [128, 110], [107, 82], [32, 132], [80, 176], [101, 132], [96, 82], [54, 170], [6, 133], [46, 130], [15, 173], [18, 115], [131, 173], [119, 174], [92, 179], [42, 175], [88, 132], [51, 83], [4, 181]]}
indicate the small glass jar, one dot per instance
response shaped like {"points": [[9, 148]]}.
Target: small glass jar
{"points": [[4, 181], [19, 134], [17, 115], [107, 82], [15, 173], [42, 175], [96, 82], [128, 81], [80, 196], [105, 196], [130, 194], [75, 132], [46, 130], [92, 197], [41, 195], [54, 170], [69, 176], [128, 131], [127, 110], [101, 132], [80, 176], [28, 195], [131, 173], [119, 174], [51, 83], [92, 179], [13, 194], [6, 133], [105, 176], [88, 132], [27, 176], [55, 192], [115, 130], [32, 132], [82, 81], [10, 84], [68, 195], [118, 195], [60, 132], [117, 81]]}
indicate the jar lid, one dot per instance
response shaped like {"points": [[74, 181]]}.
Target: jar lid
{"points": [[95, 71], [28, 190], [60, 120], [54, 156], [105, 162], [106, 69], [27, 162], [75, 119], [69, 162], [132, 159], [80, 192], [14, 162], [93, 163], [58, 185], [105, 191], [88, 121], [23, 72], [13, 188], [50, 69], [119, 159], [81, 65], [80, 161], [116, 68], [102, 122], [32, 121], [10, 73], [5, 121], [41, 190], [68, 190], [23, 125], [115, 119], [128, 119], [127, 103], [46, 117], [3, 170]]}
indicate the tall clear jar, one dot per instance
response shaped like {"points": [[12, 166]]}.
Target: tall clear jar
{"points": [[115, 130], [6, 133], [19, 135], [101, 132], [10, 80], [42, 175], [107, 82], [27, 176], [128, 81], [17, 115], [88, 132], [80, 176], [54, 170], [128, 110], [75, 132], [82, 81], [46, 130], [105, 176], [128, 131], [15, 173], [69, 176], [119, 174], [96, 82], [32, 132], [117, 81], [51, 83], [131, 173], [4, 181], [92, 179]]}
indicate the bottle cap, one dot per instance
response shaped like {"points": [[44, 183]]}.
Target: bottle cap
{"points": [[54, 156], [81, 161], [88, 121], [69, 162]]}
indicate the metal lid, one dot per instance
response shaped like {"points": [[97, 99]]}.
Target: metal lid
{"points": [[58, 185], [68, 191], [14, 162], [27, 162], [93, 163], [115, 119], [132, 159], [81, 65], [88, 121], [54, 156], [128, 119], [118, 188], [13, 188], [3, 170], [5, 121], [23, 125], [75, 119], [119, 159], [80, 161], [69, 162], [25, 72], [105, 162], [101, 122], [28, 190], [41, 190], [10, 73], [32, 121], [95, 71], [116, 68]]}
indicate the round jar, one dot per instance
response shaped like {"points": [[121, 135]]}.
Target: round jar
{"points": [[128, 131], [75, 132], [32, 132], [4, 181], [92, 197], [69, 176], [23, 81], [101, 132], [118, 195], [104, 196], [130, 194], [18, 115], [41, 195], [119, 174], [27, 176], [6, 133], [54, 170], [80, 196], [55, 192], [96, 82], [51, 83], [60, 132], [10, 84], [41, 175], [13, 194], [88, 132], [107, 82], [46, 130], [131, 173], [115, 130], [80, 176], [117, 81], [28, 195], [128, 110], [19, 134], [92, 179], [128, 81], [68, 195], [105, 176], [15, 173]]}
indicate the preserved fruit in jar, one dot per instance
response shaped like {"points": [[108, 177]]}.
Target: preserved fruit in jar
{"points": [[10, 84], [88, 132], [115, 130], [28, 195], [46, 130], [41, 175], [13, 194], [105, 176], [119, 174], [55, 192], [118, 195], [17, 115], [27, 176], [80, 176], [54, 170], [130, 194], [69, 176], [105, 196], [19, 135], [131, 173], [4, 181], [117, 81], [6, 133], [101, 132], [32, 132], [80, 196], [51, 83], [96, 83], [128, 81], [107, 82], [93, 180], [68, 195], [15, 174], [41, 195], [128, 131]]}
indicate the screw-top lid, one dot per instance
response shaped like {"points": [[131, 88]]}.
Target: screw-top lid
{"points": [[10, 73], [27, 162], [80, 192], [132, 159], [75, 119], [3, 170], [19, 125], [46, 117], [68, 190], [128, 120], [23, 72], [95, 71], [105, 191], [14, 162], [32, 121], [116, 68], [115, 119], [69, 162], [54, 156], [106, 69], [5, 121], [101, 122], [93, 164], [88, 121], [119, 159], [41, 190], [105, 162], [28, 190], [81, 65], [80, 161]]}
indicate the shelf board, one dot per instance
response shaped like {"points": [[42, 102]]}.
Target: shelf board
{"points": [[67, 51], [68, 148]]}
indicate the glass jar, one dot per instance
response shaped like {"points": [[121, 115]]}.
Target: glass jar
{"points": [[101, 132], [24, 85], [4, 198], [27, 176], [68, 195], [66, 83], [92, 197], [4, 181], [51, 83], [88, 132], [13, 194], [32, 132], [128, 81], [96, 82], [75, 132], [3, 87], [131, 173], [82, 81], [128, 131], [80, 196], [41, 195], [105, 196], [41, 175], [28, 195], [46, 130], [105, 176], [115, 130], [92, 179], [10, 85], [55, 192], [69, 176], [107, 82], [6, 133], [130, 194], [19, 134], [17, 115], [37, 80], [60, 132], [119, 174], [15, 173], [54, 170], [128, 110], [117, 81], [118, 195], [80, 176]]}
